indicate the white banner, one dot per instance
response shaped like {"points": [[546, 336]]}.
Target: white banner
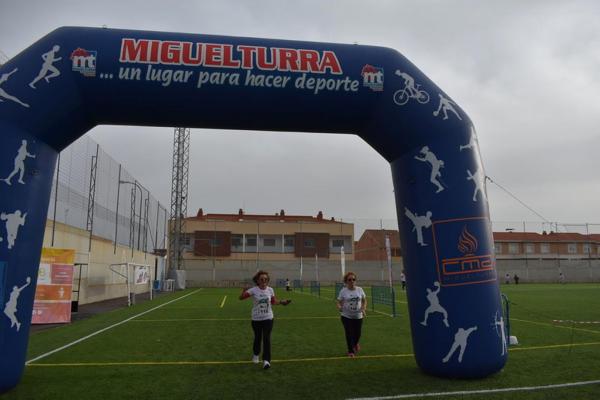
{"points": [[142, 275]]}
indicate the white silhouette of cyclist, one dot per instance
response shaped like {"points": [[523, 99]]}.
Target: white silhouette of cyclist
{"points": [[472, 141], [49, 59], [434, 305], [10, 309], [499, 325], [460, 340], [478, 179], [436, 165], [22, 154], [445, 106], [7, 96], [410, 90], [13, 222], [419, 222]]}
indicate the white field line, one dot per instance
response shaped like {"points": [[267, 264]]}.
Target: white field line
{"points": [[481, 391], [223, 302], [107, 328]]}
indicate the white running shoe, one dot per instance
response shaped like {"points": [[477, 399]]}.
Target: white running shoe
{"points": [[266, 365], [255, 359]]}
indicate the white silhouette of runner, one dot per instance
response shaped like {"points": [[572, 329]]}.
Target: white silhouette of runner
{"points": [[5, 95], [419, 222], [478, 179], [472, 141], [49, 59], [436, 165], [460, 340], [22, 154], [499, 325], [10, 310], [445, 106], [434, 305], [13, 221]]}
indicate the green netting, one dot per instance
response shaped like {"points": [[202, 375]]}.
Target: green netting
{"points": [[384, 295]]}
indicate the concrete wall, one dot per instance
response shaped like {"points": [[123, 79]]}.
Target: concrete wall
{"points": [[547, 271]]}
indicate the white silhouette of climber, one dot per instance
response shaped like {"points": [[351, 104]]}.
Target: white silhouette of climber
{"points": [[419, 222], [13, 221], [436, 165], [434, 305], [22, 154], [478, 179], [445, 106], [49, 59], [499, 324], [10, 310], [5, 95], [472, 141], [460, 340]]}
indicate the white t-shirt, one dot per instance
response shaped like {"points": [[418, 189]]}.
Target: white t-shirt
{"points": [[352, 302], [261, 308]]}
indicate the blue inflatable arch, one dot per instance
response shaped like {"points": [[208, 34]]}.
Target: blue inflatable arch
{"points": [[76, 78]]}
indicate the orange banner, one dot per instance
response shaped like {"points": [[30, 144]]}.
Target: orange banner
{"points": [[54, 288]]}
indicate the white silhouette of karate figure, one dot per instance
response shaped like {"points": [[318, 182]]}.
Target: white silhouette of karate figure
{"points": [[5, 95], [460, 340], [445, 106], [499, 325], [49, 59], [13, 221], [419, 222], [478, 179], [436, 165], [472, 141], [10, 310], [22, 154], [434, 305]]}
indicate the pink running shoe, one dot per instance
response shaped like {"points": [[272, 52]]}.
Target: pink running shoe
{"points": [[357, 348], [351, 355]]}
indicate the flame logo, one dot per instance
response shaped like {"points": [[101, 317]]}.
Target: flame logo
{"points": [[467, 243]]}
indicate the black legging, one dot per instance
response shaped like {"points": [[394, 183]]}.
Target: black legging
{"points": [[353, 330], [262, 329]]}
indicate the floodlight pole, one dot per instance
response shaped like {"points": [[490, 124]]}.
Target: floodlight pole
{"points": [[179, 193]]}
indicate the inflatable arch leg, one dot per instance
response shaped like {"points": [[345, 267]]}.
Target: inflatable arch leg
{"points": [[76, 78]]}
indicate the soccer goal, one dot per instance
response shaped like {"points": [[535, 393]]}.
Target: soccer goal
{"points": [[136, 276], [383, 296]]}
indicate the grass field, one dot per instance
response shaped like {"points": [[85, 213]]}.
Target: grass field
{"points": [[196, 344]]}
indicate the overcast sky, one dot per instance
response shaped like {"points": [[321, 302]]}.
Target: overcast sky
{"points": [[526, 72]]}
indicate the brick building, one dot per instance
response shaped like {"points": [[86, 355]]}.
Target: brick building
{"points": [[371, 245]]}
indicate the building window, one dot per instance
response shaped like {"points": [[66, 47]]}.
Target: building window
{"points": [[337, 243], [513, 248], [251, 241], [572, 248], [587, 248], [215, 242], [269, 242], [529, 248], [598, 249], [498, 248], [309, 242], [545, 248], [236, 241], [289, 241], [187, 241]]}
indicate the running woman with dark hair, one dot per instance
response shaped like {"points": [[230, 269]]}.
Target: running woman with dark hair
{"points": [[263, 298], [352, 303]]}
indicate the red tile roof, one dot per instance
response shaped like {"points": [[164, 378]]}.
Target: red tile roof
{"points": [[281, 216], [544, 237], [379, 236]]}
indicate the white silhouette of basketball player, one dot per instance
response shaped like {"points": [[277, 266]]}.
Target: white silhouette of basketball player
{"points": [[13, 221], [5, 95], [22, 154], [10, 310], [436, 165], [472, 141], [460, 340], [49, 59], [434, 305], [478, 179], [445, 106], [419, 222], [499, 325]]}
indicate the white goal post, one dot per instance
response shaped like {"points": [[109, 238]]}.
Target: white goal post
{"points": [[135, 274]]}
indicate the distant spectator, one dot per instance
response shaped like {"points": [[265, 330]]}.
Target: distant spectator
{"points": [[403, 280], [287, 285], [507, 278], [516, 278], [561, 278]]}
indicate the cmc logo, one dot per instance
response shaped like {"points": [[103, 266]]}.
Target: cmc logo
{"points": [[372, 77], [468, 259], [84, 61]]}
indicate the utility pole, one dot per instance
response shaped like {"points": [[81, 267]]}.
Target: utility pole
{"points": [[179, 194]]}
